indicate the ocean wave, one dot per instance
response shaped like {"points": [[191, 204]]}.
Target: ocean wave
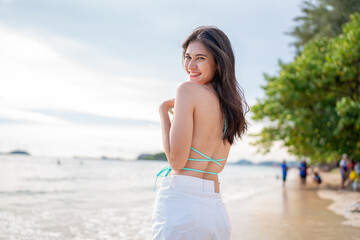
{"points": [[32, 192], [60, 179]]}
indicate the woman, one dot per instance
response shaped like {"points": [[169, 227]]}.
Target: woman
{"points": [[209, 114]]}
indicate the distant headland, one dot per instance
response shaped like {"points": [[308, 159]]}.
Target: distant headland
{"points": [[157, 156], [245, 162], [16, 152]]}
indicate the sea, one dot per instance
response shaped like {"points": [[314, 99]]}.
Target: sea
{"points": [[43, 198]]}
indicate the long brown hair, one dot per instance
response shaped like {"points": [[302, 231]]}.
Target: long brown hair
{"points": [[231, 96]]}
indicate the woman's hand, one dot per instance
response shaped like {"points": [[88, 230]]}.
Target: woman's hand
{"points": [[167, 106]]}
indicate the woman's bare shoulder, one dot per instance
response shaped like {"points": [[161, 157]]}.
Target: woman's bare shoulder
{"points": [[192, 89], [189, 85]]}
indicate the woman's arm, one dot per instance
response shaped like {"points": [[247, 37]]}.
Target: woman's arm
{"points": [[178, 135], [165, 124]]}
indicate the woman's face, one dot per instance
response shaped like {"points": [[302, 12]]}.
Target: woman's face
{"points": [[199, 63]]}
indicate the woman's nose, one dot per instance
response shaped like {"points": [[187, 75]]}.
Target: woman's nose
{"points": [[192, 64]]}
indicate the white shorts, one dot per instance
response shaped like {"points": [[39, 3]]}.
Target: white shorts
{"points": [[188, 208]]}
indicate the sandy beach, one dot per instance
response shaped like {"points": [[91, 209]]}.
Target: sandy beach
{"points": [[343, 201], [290, 213]]}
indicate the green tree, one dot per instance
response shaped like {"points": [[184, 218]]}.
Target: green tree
{"points": [[313, 104], [322, 18]]}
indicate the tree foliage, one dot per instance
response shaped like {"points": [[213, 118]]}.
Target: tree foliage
{"points": [[322, 18], [313, 104]]}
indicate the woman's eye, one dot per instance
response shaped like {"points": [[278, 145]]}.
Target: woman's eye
{"points": [[187, 57], [201, 58]]}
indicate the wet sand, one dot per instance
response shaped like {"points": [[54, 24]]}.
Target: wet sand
{"points": [[288, 213], [344, 202]]}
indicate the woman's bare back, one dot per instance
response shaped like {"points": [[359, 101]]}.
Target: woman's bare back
{"points": [[207, 135]]}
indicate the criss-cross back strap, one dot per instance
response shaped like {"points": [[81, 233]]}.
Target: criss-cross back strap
{"points": [[208, 159]]}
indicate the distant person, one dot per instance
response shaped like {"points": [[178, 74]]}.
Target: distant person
{"points": [[353, 179], [350, 164], [317, 178], [343, 169], [303, 174], [357, 168], [284, 171], [357, 171]]}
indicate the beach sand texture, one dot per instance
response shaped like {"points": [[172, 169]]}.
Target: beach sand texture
{"points": [[290, 213], [343, 201]]}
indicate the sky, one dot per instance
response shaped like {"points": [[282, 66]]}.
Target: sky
{"points": [[85, 78]]}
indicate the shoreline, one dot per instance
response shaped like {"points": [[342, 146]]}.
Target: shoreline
{"points": [[344, 202], [284, 213]]}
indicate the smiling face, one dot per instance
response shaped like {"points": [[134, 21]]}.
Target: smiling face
{"points": [[199, 63]]}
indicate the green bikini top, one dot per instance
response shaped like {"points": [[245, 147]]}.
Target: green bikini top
{"points": [[166, 170]]}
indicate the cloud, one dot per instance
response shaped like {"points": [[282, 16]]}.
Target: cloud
{"points": [[35, 76], [76, 117], [13, 115], [51, 105]]}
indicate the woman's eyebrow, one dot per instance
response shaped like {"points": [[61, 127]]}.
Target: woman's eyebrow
{"points": [[200, 54]]}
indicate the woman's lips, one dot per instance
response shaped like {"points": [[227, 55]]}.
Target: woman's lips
{"points": [[194, 74]]}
